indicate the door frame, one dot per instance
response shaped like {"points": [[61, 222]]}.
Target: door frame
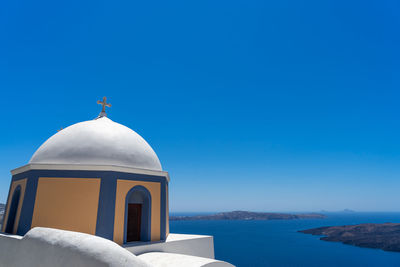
{"points": [[145, 226]]}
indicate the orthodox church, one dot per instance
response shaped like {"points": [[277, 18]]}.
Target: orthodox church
{"points": [[97, 177], [95, 194]]}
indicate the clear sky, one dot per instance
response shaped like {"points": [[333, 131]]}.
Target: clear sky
{"points": [[257, 105]]}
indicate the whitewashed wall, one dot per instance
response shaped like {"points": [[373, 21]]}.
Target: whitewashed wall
{"points": [[52, 247]]}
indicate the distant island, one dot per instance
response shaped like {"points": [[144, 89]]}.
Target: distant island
{"points": [[384, 236], [348, 211], [339, 211], [247, 215]]}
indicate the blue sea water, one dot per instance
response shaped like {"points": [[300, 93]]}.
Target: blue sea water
{"points": [[277, 242]]}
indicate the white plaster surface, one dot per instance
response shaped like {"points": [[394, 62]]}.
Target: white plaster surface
{"points": [[53, 247], [162, 259], [193, 245], [98, 142]]}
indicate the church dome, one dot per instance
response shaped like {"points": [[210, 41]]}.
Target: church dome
{"points": [[98, 142]]}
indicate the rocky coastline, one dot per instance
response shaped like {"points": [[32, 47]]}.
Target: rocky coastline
{"points": [[385, 236]]}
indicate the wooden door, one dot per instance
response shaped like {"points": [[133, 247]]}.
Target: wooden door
{"points": [[133, 223]]}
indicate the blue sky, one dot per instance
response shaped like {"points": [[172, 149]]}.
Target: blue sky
{"points": [[257, 105]]}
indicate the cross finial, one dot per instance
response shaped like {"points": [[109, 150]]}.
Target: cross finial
{"points": [[104, 104]]}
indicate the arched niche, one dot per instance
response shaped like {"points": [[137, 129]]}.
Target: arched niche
{"points": [[12, 212], [137, 215]]}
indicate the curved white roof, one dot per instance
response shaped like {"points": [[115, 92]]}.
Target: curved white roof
{"points": [[98, 142]]}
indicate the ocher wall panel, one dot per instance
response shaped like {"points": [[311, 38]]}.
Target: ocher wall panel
{"points": [[123, 187], [67, 203]]}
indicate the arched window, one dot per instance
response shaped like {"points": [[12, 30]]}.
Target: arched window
{"points": [[12, 212], [138, 215]]}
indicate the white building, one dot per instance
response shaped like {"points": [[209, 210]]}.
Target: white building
{"points": [[95, 194]]}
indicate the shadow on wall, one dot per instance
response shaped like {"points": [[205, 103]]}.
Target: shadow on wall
{"points": [[1, 220], [53, 247]]}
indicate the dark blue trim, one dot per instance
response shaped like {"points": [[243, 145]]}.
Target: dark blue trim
{"points": [[145, 225], [25, 219], [106, 208], [163, 218], [89, 174]]}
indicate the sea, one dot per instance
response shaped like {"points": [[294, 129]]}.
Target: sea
{"points": [[278, 242]]}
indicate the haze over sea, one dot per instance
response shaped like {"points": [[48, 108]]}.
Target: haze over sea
{"points": [[277, 242]]}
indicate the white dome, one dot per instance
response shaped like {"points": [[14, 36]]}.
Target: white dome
{"points": [[98, 142]]}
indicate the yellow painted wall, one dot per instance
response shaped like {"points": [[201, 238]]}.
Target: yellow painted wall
{"points": [[14, 185], [67, 203], [123, 187]]}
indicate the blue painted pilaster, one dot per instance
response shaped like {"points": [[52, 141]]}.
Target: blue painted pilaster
{"points": [[25, 219], [106, 209], [163, 207]]}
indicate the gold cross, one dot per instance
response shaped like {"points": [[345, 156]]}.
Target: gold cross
{"points": [[104, 104]]}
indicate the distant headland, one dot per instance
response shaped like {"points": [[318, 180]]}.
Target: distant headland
{"points": [[247, 215], [384, 236]]}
